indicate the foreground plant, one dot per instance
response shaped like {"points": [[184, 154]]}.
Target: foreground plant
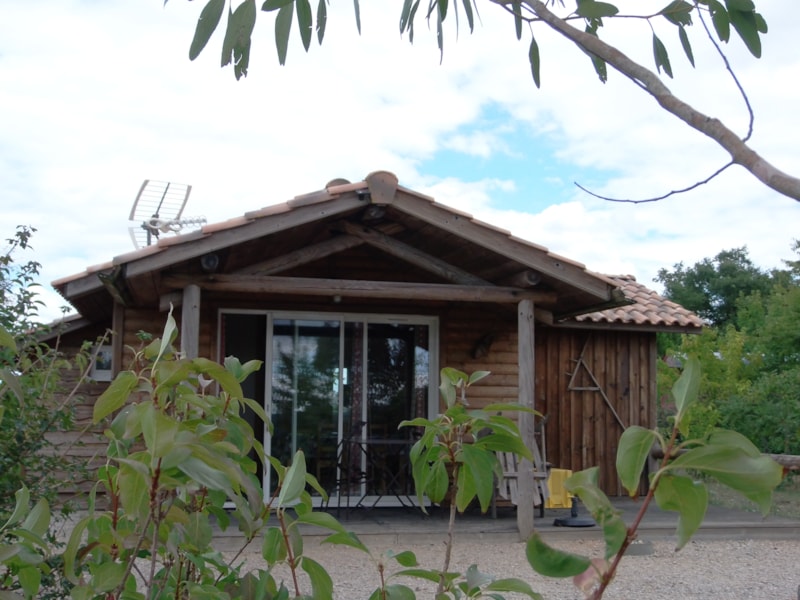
{"points": [[182, 461], [455, 459], [726, 456]]}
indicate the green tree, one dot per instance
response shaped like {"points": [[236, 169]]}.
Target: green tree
{"points": [[530, 16], [712, 286]]}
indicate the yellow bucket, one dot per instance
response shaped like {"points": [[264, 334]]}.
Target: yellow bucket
{"points": [[559, 496]]}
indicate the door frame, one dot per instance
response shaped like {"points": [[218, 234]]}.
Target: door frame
{"points": [[432, 322]]}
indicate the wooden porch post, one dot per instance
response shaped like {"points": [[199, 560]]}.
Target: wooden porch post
{"points": [[190, 321], [525, 335]]}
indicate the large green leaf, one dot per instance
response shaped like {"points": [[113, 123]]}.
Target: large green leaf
{"points": [[38, 520], [321, 519], [684, 392], [512, 585], [396, 591], [134, 489], [207, 475], [10, 379], [321, 582], [479, 464], [438, 482], [71, 549], [273, 548], [30, 579], [585, 485], [752, 476], [632, 452], [686, 497], [550, 562], [6, 339], [348, 538], [115, 395], [294, 481], [206, 24], [22, 507]]}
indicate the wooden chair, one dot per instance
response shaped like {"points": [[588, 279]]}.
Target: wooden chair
{"points": [[508, 488]]}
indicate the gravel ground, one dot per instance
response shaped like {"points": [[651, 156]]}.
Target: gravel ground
{"points": [[749, 569]]}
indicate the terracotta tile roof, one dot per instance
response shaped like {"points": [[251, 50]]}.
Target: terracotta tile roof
{"points": [[647, 308]]}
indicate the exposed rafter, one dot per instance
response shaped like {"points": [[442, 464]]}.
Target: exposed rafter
{"points": [[412, 255]]}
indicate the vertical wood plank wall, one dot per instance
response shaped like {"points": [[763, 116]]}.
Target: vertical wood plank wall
{"points": [[581, 430]]}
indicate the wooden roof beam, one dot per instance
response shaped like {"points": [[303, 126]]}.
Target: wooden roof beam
{"points": [[266, 284], [413, 255], [302, 256], [535, 258]]}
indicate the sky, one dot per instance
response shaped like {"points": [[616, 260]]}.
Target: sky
{"points": [[97, 96]]}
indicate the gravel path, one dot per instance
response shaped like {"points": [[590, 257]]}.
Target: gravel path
{"points": [[707, 570]]}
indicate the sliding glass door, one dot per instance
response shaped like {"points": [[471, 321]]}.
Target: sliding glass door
{"points": [[337, 387]]}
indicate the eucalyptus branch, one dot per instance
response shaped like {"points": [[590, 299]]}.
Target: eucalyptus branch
{"points": [[697, 184], [646, 79]]}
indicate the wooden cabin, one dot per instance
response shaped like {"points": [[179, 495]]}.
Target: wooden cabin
{"points": [[356, 295]]}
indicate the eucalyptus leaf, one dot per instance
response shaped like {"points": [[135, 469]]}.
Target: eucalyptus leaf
{"points": [[535, 61], [305, 22], [516, 8], [720, 19], [678, 12], [661, 56], [206, 24], [746, 25], [589, 9], [687, 47], [283, 28], [322, 20]]}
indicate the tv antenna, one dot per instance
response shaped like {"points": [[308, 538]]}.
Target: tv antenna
{"points": [[157, 209]]}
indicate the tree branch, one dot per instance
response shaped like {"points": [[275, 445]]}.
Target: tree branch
{"points": [[739, 151]]}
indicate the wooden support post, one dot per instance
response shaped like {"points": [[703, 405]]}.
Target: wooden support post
{"points": [[526, 365], [117, 333], [190, 321]]}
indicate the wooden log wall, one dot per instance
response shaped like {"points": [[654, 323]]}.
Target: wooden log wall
{"points": [[581, 430]]}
